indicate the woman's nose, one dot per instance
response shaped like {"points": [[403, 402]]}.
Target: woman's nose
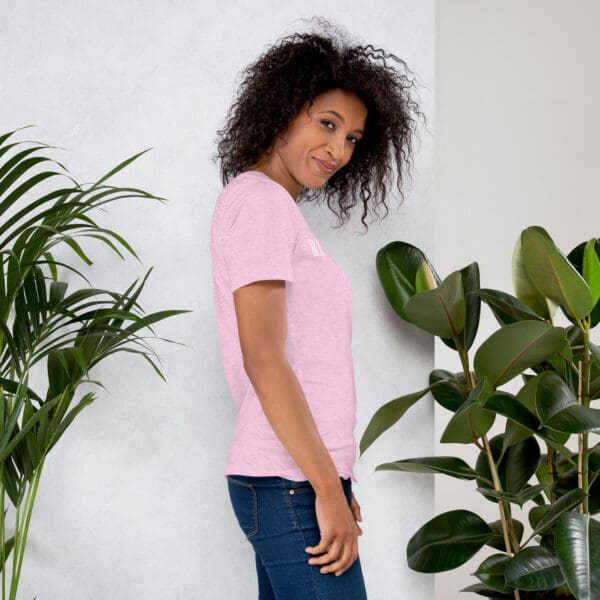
{"points": [[336, 147]]}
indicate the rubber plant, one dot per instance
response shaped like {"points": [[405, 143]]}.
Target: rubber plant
{"points": [[533, 462], [67, 333]]}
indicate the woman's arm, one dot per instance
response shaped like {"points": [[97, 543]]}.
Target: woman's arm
{"points": [[262, 325]]}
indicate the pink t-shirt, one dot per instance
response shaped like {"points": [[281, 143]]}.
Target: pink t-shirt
{"points": [[258, 233]]}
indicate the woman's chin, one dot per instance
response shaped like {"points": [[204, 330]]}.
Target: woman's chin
{"points": [[315, 184]]}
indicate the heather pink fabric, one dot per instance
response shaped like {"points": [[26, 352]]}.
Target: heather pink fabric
{"points": [[258, 232]]}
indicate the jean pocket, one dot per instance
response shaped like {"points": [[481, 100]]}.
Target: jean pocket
{"points": [[302, 488], [245, 505]]}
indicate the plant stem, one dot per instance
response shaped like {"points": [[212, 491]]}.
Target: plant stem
{"points": [[498, 488], [464, 359], [17, 535], [580, 439], [552, 495], [501, 505], [516, 547], [584, 398], [24, 526]]}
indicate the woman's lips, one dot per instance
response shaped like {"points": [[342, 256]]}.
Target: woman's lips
{"points": [[325, 167]]}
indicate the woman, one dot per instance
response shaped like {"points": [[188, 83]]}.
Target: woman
{"points": [[315, 119]]}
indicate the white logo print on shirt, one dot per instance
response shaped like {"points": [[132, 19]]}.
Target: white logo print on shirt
{"points": [[315, 247]]}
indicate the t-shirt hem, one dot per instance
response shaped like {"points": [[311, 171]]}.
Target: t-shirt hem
{"points": [[284, 474]]}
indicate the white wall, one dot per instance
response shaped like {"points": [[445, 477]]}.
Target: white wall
{"points": [[517, 144], [133, 502]]}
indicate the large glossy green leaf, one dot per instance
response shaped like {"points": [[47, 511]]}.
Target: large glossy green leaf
{"points": [[440, 311], [387, 415], [518, 465], [514, 348], [562, 363], [576, 258], [525, 290], [537, 512], [446, 465], [552, 514], [558, 408], [497, 539], [397, 265], [528, 393], [491, 572], [506, 308], [447, 541], [527, 396], [552, 396], [424, 278], [591, 267], [575, 419], [451, 391], [515, 467], [534, 569], [471, 283], [553, 275], [514, 433], [471, 420], [525, 495], [483, 590], [509, 406], [567, 480], [577, 543]]}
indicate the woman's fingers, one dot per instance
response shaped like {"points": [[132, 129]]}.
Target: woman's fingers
{"points": [[334, 552], [321, 547], [356, 508], [356, 512], [348, 556], [338, 547], [353, 557], [338, 558]]}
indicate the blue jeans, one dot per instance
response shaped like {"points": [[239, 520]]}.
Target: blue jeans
{"points": [[278, 517]]}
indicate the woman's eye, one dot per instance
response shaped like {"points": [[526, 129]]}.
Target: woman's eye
{"points": [[352, 139], [327, 124]]}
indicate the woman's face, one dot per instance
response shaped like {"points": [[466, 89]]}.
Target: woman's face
{"points": [[317, 143]]}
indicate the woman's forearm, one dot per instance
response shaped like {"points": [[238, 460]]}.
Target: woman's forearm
{"points": [[285, 406]]}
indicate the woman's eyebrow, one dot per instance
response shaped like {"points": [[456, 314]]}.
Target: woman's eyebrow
{"points": [[337, 114]]}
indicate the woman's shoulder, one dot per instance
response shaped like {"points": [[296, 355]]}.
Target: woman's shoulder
{"points": [[254, 199], [258, 189], [255, 181]]}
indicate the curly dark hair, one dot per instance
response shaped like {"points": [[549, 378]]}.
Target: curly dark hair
{"points": [[296, 70]]}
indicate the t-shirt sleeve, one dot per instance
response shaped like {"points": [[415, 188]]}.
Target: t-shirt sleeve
{"points": [[258, 242]]}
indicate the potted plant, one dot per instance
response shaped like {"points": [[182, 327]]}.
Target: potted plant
{"points": [[40, 322], [534, 462]]}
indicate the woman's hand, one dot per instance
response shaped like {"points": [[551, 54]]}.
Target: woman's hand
{"points": [[339, 532], [355, 506]]}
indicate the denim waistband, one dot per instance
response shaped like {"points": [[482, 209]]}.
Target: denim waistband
{"points": [[276, 481]]}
